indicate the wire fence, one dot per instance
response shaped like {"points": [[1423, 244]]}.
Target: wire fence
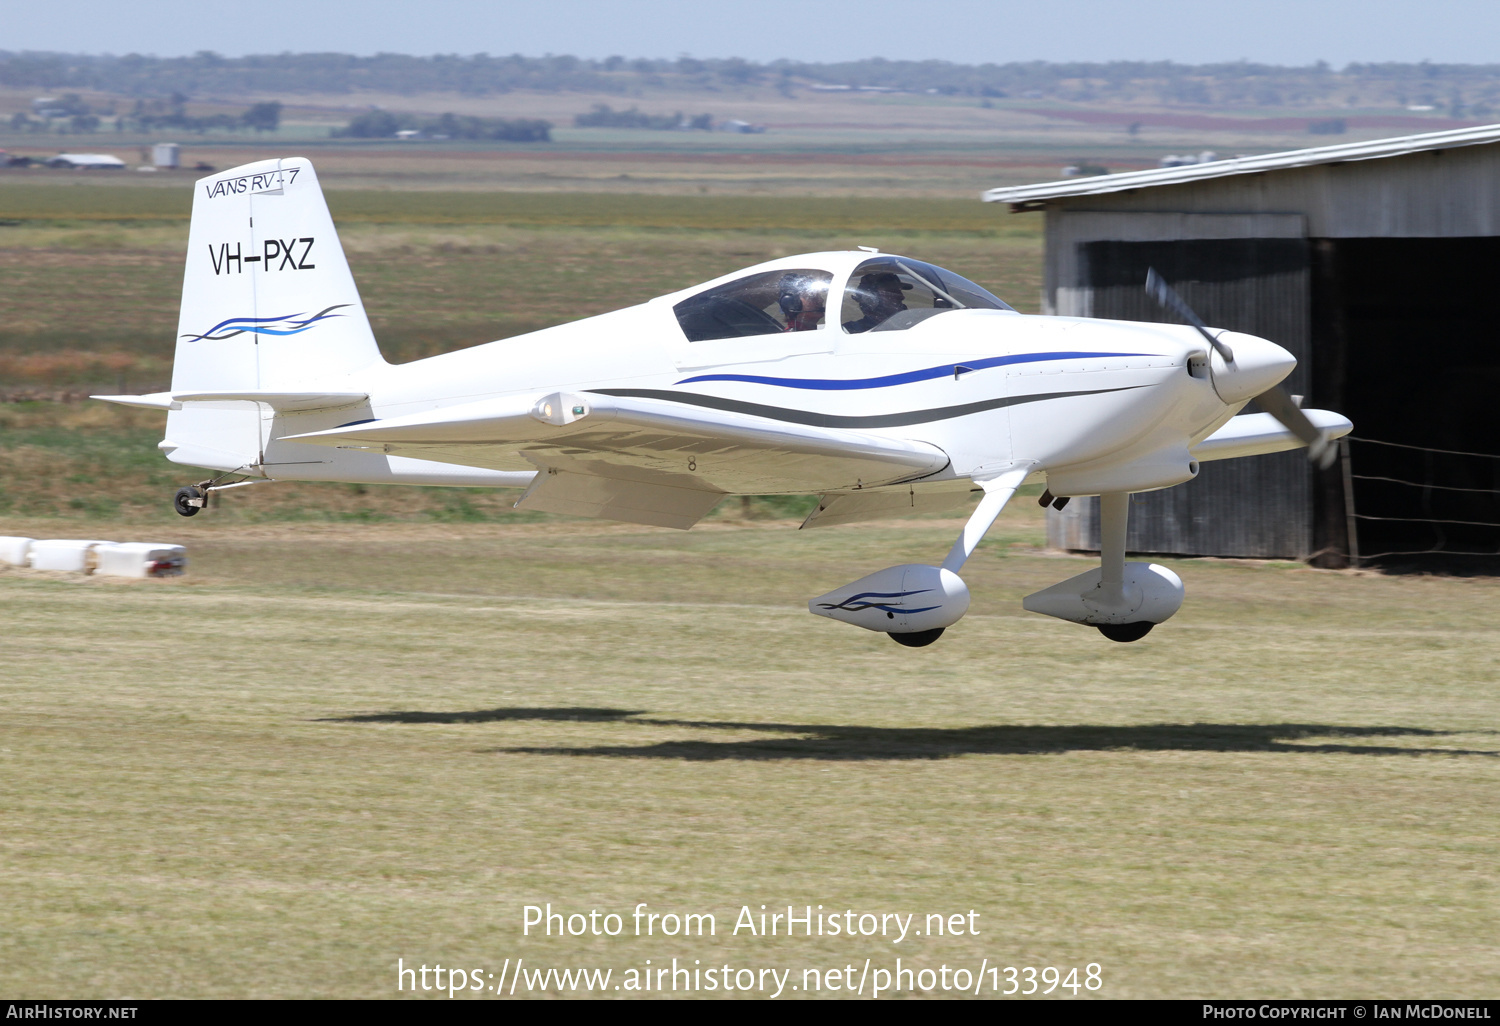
{"points": [[1429, 490]]}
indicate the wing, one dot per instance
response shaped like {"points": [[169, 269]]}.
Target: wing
{"points": [[640, 460], [1252, 434]]}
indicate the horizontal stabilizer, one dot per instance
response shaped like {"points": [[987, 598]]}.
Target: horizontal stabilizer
{"points": [[153, 401], [281, 402], [1254, 434]]}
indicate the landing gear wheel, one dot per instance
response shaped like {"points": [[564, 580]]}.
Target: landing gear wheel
{"points": [[180, 501], [1125, 631], [918, 639]]}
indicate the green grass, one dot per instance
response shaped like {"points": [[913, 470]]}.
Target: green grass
{"points": [[329, 747]]}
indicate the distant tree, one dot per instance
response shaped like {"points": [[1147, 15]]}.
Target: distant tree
{"points": [[376, 124], [1229, 84], [382, 124], [605, 116], [263, 117], [71, 105], [738, 71]]}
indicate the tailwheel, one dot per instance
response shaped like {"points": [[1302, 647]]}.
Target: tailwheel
{"points": [[189, 501], [1125, 631], [918, 639]]}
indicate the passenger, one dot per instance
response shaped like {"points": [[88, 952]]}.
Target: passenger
{"points": [[879, 298], [803, 300]]}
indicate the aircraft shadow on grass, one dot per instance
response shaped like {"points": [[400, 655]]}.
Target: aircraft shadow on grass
{"points": [[580, 713], [853, 743]]}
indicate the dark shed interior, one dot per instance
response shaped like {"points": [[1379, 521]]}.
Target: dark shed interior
{"points": [[1406, 347]]}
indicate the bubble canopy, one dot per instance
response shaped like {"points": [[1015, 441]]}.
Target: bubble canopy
{"points": [[883, 293], [892, 293]]}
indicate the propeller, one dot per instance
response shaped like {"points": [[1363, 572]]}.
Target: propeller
{"points": [[1158, 289], [1274, 400]]}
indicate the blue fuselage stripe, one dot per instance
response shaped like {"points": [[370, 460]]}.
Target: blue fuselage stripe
{"points": [[886, 381]]}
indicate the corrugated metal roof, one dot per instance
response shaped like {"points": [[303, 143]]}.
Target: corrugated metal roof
{"points": [[1372, 150]]}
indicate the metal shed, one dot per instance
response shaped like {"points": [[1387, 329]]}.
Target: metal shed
{"points": [[1372, 263]]}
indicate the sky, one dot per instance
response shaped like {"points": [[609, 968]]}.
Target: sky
{"points": [[1290, 32]]}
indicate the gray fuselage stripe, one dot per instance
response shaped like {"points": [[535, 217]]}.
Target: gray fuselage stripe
{"points": [[814, 419]]}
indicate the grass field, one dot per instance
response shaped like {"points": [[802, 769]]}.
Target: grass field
{"points": [[330, 746], [374, 723]]}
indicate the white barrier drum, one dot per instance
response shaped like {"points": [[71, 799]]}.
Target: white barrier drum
{"points": [[141, 559], [72, 554], [14, 550]]}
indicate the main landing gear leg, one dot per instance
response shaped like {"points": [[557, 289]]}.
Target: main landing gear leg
{"points": [[915, 602], [997, 492], [1123, 600], [1114, 523]]}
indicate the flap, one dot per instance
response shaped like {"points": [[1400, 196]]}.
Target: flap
{"points": [[836, 508], [658, 503], [1254, 434]]}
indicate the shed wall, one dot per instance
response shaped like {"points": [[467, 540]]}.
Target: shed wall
{"points": [[1258, 284], [1434, 194]]}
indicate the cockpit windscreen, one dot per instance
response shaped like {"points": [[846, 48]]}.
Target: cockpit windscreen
{"points": [[891, 293]]}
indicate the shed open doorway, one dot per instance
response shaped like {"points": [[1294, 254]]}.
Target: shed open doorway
{"points": [[1408, 348]]}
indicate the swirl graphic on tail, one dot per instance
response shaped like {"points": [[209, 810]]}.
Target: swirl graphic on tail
{"points": [[292, 324]]}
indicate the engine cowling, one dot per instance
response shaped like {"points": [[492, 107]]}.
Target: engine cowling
{"points": [[1159, 470], [902, 599]]}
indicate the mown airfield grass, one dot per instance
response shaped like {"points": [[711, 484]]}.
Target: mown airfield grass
{"points": [[332, 746], [336, 744]]}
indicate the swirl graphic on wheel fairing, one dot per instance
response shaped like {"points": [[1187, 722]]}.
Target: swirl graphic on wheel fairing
{"points": [[859, 603], [292, 324]]}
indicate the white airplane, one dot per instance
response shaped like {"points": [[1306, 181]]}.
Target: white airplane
{"points": [[883, 384]]}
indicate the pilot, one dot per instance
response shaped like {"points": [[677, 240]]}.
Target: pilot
{"points": [[878, 296], [803, 300]]}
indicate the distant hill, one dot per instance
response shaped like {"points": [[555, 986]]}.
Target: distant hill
{"points": [[1458, 90]]}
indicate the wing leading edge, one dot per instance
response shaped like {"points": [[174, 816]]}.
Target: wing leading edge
{"points": [[1254, 434]]}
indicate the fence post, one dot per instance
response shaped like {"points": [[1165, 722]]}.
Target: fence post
{"points": [[1350, 527]]}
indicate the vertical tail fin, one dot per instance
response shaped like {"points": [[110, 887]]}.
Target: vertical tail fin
{"points": [[268, 302], [268, 305]]}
